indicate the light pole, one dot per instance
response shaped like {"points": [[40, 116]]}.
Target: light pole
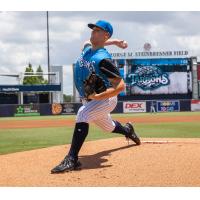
{"points": [[48, 57]]}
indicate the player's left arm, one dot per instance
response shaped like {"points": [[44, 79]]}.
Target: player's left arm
{"points": [[113, 75], [118, 85]]}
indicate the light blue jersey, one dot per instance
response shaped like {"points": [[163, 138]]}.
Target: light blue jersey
{"points": [[94, 111], [87, 62]]}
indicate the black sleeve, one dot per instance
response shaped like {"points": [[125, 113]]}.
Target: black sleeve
{"points": [[108, 68]]}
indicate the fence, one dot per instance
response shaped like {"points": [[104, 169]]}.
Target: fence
{"points": [[122, 107]]}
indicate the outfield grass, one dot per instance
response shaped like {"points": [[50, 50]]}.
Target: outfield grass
{"points": [[14, 140]]}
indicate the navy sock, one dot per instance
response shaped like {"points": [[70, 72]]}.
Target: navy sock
{"points": [[80, 133], [119, 128]]}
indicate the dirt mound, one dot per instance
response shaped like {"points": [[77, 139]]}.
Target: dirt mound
{"points": [[157, 162]]}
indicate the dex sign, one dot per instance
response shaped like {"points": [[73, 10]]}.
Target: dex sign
{"points": [[129, 107]]}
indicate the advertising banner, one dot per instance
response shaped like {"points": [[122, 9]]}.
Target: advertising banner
{"points": [[68, 108], [63, 109], [158, 76], [152, 80], [27, 110], [195, 105], [168, 106], [56, 108], [131, 107]]}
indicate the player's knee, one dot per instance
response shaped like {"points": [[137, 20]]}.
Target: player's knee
{"points": [[108, 129]]}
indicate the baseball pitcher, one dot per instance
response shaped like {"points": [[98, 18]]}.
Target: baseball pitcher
{"points": [[98, 82]]}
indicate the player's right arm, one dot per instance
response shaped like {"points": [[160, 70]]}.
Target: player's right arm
{"points": [[117, 42]]}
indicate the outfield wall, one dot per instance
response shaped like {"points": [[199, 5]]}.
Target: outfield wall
{"points": [[122, 107]]}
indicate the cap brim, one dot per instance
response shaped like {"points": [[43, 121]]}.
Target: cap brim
{"points": [[94, 25]]}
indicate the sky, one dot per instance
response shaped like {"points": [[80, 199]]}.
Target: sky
{"points": [[23, 36]]}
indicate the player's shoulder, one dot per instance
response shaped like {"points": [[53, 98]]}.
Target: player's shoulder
{"points": [[103, 50], [103, 53]]}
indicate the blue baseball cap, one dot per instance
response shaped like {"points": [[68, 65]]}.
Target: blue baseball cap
{"points": [[106, 26]]}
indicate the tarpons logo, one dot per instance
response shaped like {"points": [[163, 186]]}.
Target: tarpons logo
{"points": [[148, 77]]}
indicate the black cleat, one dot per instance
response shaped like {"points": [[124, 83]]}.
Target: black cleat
{"points": [[68, 164], [132, 135]]}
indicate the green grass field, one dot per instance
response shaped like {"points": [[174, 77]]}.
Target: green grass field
{"points": [[15, 140]]}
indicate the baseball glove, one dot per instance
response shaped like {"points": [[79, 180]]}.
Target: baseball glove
{"points": [[93, 83]]}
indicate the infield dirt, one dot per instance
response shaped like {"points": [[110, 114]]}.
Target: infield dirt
{"points": [[109, 162]]}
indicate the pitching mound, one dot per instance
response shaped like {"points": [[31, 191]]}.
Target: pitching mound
{"points": [[157, 162]]}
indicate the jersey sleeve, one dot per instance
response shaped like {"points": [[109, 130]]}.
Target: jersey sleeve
{"points": [[108, 68]]}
